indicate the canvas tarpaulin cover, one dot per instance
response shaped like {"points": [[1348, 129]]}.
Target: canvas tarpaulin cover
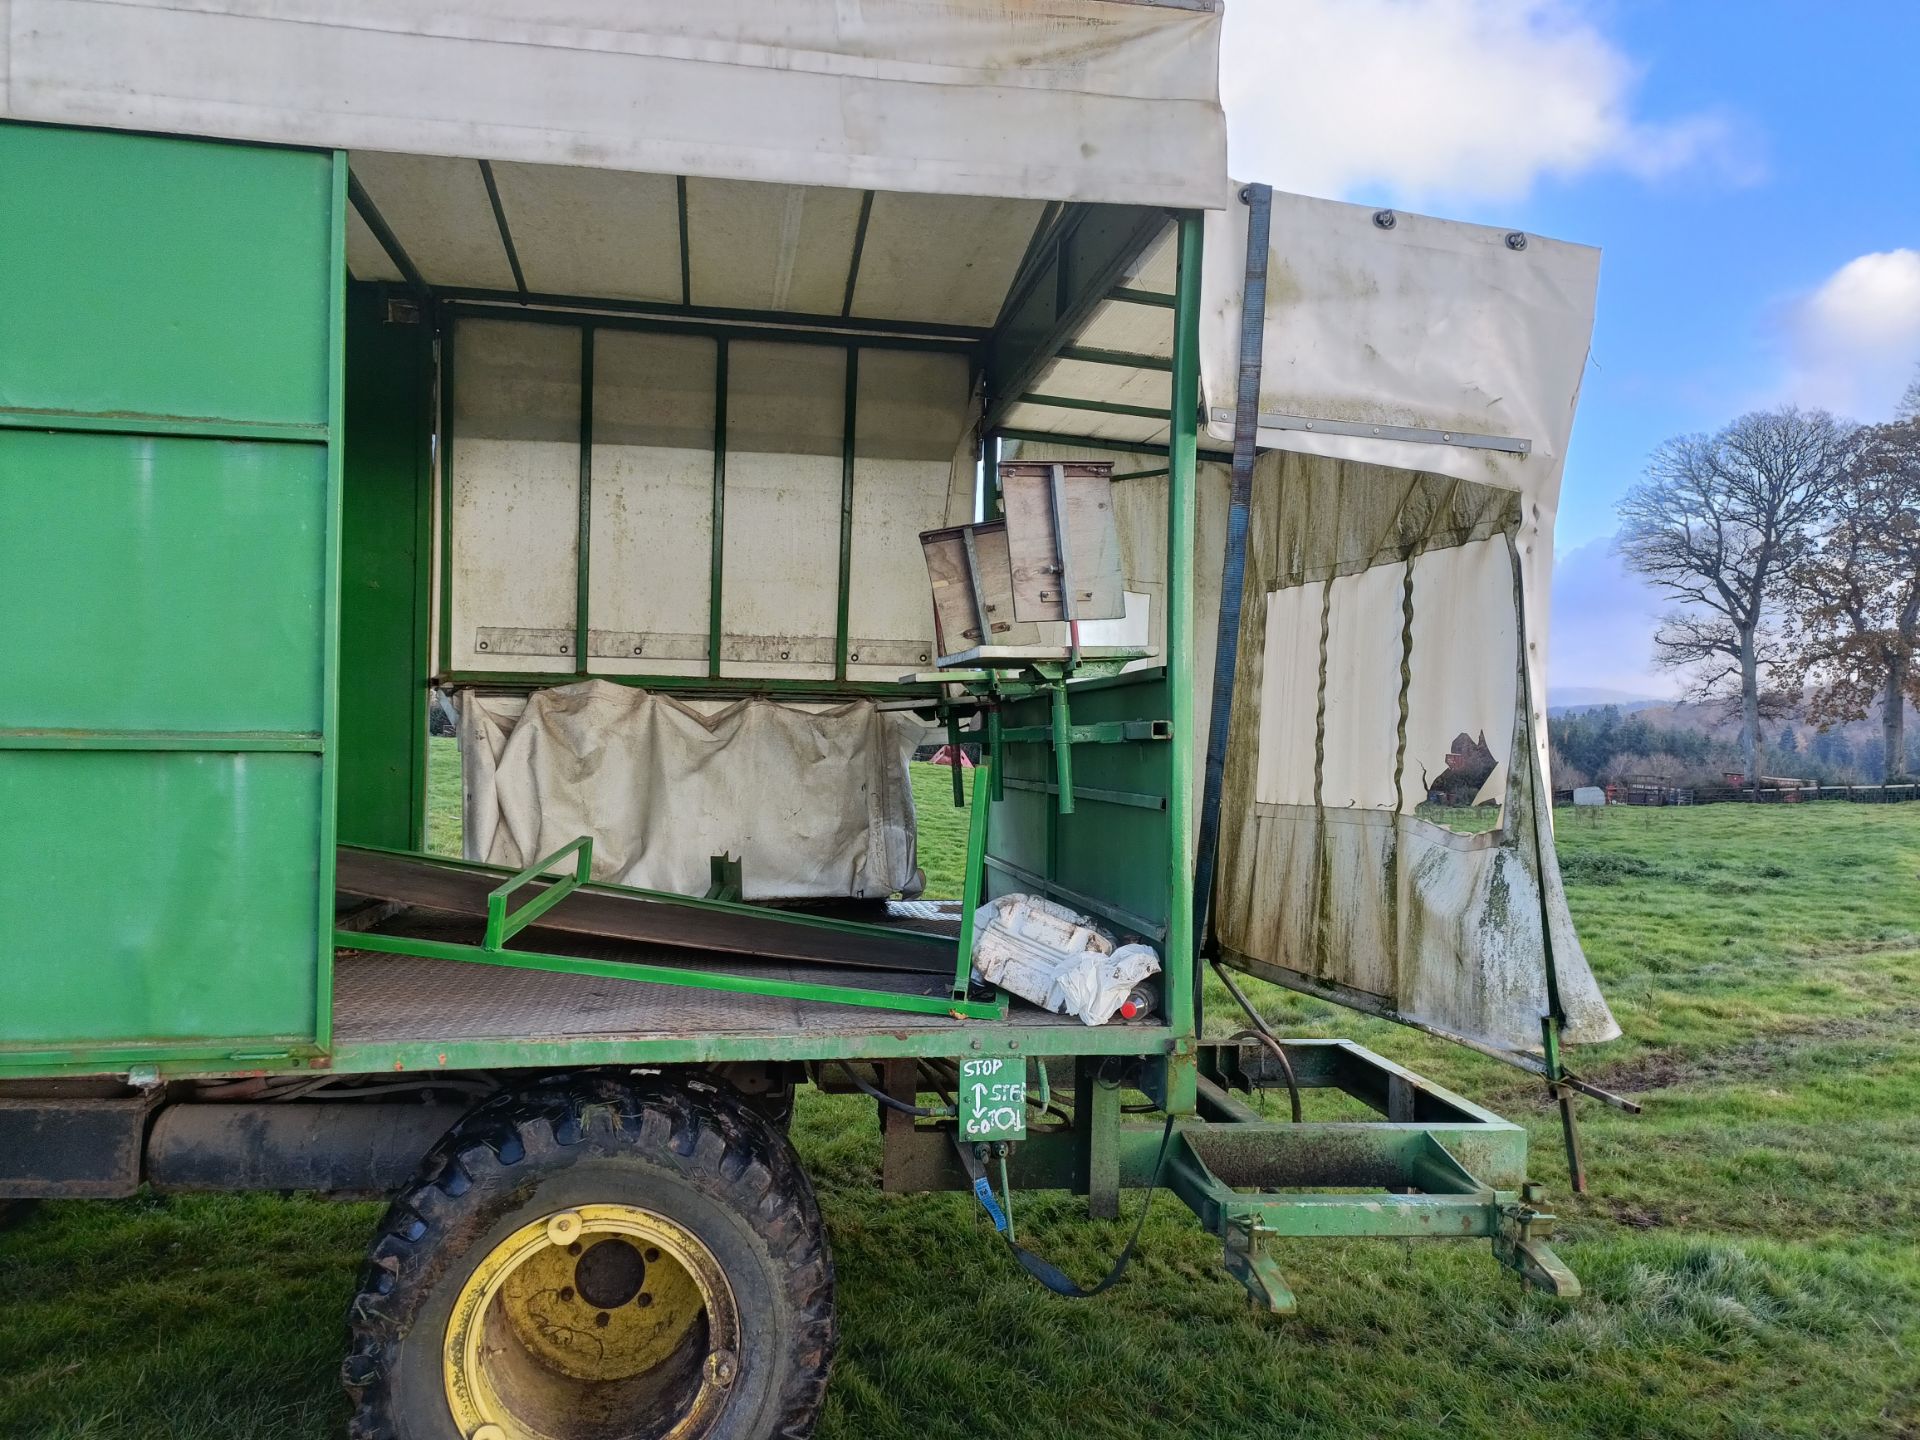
{"points": [[814, 800], [1096, 100], [1390, 674]]}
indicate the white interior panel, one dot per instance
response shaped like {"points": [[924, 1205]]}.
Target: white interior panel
{"points": [[439, 211], [652, 502], [1464, 663], [516, 488], [786, 411], [910, 420], [1130, 327], [593, 232], [945, 259], [1061, 420], [770, 247], [1117, 383]]}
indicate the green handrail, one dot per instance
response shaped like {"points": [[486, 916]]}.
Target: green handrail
{"points": [[501, 926]]}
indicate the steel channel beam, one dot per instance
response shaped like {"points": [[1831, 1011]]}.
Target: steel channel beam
{"points": [[583, 532], [708, 319], [717, 562], [1183, 415]]}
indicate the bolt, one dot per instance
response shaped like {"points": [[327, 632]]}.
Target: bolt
{"points": [[483, 645], [976, 1042], [563, 649], [1516, 241], [722, 1367], [602, 1319], [564, 1228], [488, 1432], [1385, 219]]}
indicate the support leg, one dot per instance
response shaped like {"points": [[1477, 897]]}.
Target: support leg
{"points": [[1096, 1120]]}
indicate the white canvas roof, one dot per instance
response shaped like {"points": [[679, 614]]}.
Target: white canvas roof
{"points": [[1088, 100]]}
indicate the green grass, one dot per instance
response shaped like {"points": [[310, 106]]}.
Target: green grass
{"points": [[1751, 1248]]}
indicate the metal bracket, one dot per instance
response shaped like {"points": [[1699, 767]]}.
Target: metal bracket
{"points": [[1249, 1262], [1418, 435], [1521, 1246]]}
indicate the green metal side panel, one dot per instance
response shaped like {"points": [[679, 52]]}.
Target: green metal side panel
{"points": [[163, 277], [386, 487], [157, 896], [1113, 848], [169, 550], [173, 583]]}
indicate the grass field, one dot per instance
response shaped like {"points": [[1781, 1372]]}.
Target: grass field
{"points": [[1751, 1248]]}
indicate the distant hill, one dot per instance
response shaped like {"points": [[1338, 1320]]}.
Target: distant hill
{"points": [[1576, 699]]}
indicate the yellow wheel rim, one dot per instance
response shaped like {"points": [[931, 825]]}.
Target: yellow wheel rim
{"points": [[592, 1323]]}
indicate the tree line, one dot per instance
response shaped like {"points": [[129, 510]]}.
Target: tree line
{"points": [[1789, 543]]}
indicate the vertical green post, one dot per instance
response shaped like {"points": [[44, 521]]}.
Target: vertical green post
{"points": [[583, 557], [1062, 748], [330, 635], [719, 527], [444, 442], [976, 868], [840, 643], [1182, 448]]}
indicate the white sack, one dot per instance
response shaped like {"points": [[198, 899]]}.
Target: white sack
{"points": [[1056, 958], [814, 800]]}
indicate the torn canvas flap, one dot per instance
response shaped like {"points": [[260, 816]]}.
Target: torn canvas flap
{"points": [[662, 785], [1385, 840]]}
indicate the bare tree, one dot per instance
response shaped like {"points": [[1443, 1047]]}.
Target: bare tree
{"points": [[1858, 592], [1907, 412], [1714, 526]]}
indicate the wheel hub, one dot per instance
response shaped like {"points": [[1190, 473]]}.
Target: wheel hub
{"points": [[597, 1323]]}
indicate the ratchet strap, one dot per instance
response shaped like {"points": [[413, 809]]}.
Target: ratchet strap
{"points": [[1045, 1271]]}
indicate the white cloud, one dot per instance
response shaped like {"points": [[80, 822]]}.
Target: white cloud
{"points": [[1418, 100], [1600, 631], [1853, 342]]}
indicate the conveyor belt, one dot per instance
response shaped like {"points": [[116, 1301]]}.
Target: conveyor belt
{"points": [[609, 915]]}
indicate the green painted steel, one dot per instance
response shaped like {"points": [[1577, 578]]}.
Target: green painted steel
{"points": [[991, 1098], [161, 583], [503, 925], [1183, 416], [385, 525], [161, 277], [849, 445], [583, 535], [1109, 856], [157, 896], [718, 538], [169, 551]]}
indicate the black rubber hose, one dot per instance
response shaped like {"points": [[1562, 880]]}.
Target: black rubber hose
{"points": [[1261, 1032], [920, 1111]]}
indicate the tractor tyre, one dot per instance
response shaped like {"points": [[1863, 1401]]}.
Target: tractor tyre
{"points": [[595, 1258]]}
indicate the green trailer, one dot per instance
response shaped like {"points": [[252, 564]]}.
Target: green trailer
{"points": [[616, 427]]}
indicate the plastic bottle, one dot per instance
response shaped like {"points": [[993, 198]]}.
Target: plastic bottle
{"points": [[1141, 1001]]}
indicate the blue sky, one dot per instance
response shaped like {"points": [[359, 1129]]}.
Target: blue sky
{"points": [[1750, 170]]}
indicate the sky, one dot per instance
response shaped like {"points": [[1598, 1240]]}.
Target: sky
{"points": [[1749, 168]]}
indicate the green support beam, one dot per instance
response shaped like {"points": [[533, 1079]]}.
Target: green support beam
{"points": [[1183, 413]]}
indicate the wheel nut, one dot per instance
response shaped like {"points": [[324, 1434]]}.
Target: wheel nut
{"points": [[488, 1432], [564, 1228], [722, 1367]]}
